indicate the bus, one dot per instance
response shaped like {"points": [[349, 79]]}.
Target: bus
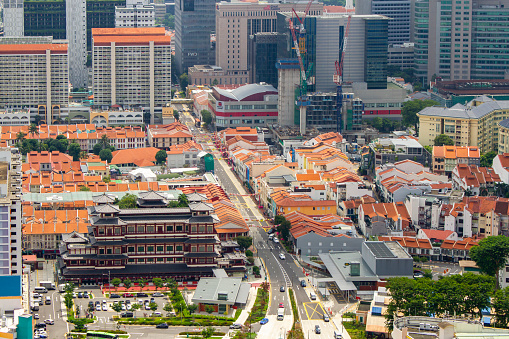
{"points": [[98, 334]]}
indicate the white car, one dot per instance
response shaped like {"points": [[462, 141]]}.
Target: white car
{"points": [[105, 307], [147, 307], [281, 256], [276, 240], [36, 316], [123, 306], [98, 307], [49, 322]]}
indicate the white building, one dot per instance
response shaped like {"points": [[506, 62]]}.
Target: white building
{"points": [[76, 30], [135, 15], [13, 19], [501, 167], [10, 212], [45, 81]]}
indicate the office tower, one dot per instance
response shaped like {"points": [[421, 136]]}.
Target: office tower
{"points": [[10, 212], [135, 15], [399, 12], [266, 48], [466, 41], [237, 22], [101, 14], [194, 24], [77, 39], [45, 81], [13, 18], [45, 18], [131, 67]]}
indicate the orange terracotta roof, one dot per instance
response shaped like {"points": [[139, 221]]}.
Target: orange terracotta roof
{"points": [[152, 31], [33, 49]]}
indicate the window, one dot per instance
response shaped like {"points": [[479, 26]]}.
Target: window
{"points": [[150, 229], [141, 229], [117, 230], [178, 259], [130, 249], [179, 228], [150, 248], [141, 249], [150, 260], [169, 228], [202, 229], [101, 231], [179, 248], [210, 229], [169, 248], [101, 251], [193, 229], [130, 229], [160, 259], [141, 260]]}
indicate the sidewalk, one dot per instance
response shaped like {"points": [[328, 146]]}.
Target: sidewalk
{"points": [[338, 322]]}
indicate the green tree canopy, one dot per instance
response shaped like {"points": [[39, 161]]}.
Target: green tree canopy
{"points": [[161, 156], [487, 158], [443, 140], [244, 242], [184, 81], [84, 189], [491, 254], [128, 201], [206, 116], [74, 151], [97, 149], [127, 283], [105, 154], [411, 108]]}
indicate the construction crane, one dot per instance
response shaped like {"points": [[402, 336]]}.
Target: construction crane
{"points": [[338, 80], [302, 30]]}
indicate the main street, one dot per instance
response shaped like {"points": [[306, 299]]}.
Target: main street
{"points": [[281, 272]]}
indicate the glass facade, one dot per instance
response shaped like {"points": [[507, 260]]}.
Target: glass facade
{"points": [[266, 58], [101, 14], [375, 74], [45, 18], [421, 38], [399, 12]]}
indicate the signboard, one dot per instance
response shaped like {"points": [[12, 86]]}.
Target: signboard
{"points": [[271, 8], [219, 106]]}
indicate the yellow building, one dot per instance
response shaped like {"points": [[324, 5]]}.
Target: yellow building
{"points": [[475, 124], [503, 136]]}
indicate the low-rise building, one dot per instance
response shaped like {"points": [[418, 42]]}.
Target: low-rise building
{"points": [[221, 294], [383, 219], [165, 136], [187, 154], [501, 167], [132, 158], [386, 150], [414, 246], [445, 158], [215, 75], [284, 202], [450, 93], [477, 180]]}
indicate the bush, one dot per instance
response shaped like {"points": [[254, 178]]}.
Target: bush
{"points": [[256, 270], [349, 315], [249, 253]]}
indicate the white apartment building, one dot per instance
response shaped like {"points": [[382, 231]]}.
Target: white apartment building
{"points": [[43, 62], [10, 212], [76, 34], [136, 15], [13, 20], [131, 67]]}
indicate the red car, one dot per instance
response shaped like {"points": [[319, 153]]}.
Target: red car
{"points": [[127, 295], [281, 305]]}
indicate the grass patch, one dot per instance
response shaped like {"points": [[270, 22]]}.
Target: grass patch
{"points": [[168, 176], [355, 329], [237, 314], [190, 172]]}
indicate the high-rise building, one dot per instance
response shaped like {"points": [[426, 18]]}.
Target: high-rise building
{"points": [[194, 26], [135, 15], [101, 14], [44, 84], [399, 12], [238, 22], [10, 212], [13, 18], [266, 48], [45, 18], [466, 41], [77, 38], [131, 67]]}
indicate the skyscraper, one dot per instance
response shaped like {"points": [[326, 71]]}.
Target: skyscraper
{"points": [[194, 24], [468, 40], [13, 18], [77, 37]]}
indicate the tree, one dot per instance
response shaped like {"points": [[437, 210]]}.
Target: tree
{"points": [[206, 116], [20, 136], [158, 283], [170, 283], [105, 154], [135, 307], [442, 140], [116, 282], [167, 307], [141, 283], [84, 189], [208, 332], [278, 219], [74, 151], [244, 242], [209, 309], [183, 201], [487, 158], [284, 230], [490, 255], [500, 303], [33, 129], [184, 81], [192, 308], [411, 108], [127, 283], [83, 155], [117, 307], [161, 156], [128, 201], [105, 141], [153, 306], [106, 179], [176, 114], [169, 21], [97, 149], [68, 301]]}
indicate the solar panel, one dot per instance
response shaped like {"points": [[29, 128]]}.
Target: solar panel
{"points": [[380, 250]]}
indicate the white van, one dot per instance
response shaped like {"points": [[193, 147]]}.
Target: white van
{"points": [[280, 314], [40, 289], [312, 295], [337, 335]]}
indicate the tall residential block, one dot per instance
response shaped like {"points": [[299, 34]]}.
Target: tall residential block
{"points": [[135, 15], [76, 32], [461, 39], [399, 12], [45, 82], [10, 212], [131, 67], [101, 14], [45, 18], [13, 18], [194, 25]]}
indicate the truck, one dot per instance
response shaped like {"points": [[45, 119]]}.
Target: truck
{"points": [[61, 288], [48, 284], [280, 314]]}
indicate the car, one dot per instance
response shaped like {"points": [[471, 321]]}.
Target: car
{"points": [[276, 240], [281, 256], [43, 335], [152, 300], [36, 316], [80, 295], [326, 318], [128, 295], [49, 322], [90, 304], [122, 305], [264, 321], [85, 295], [272, 230], [317, 329], [282, 289], [114, 295], [157, 314], [98, 307], [36, 336], [74, 295], [40, 325], [36, 295], [162, 325], [281, 305], [303, 283], [235, 326], [97, 302], [105, 307], [142, 294], [158, 294], [147, 307]]}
